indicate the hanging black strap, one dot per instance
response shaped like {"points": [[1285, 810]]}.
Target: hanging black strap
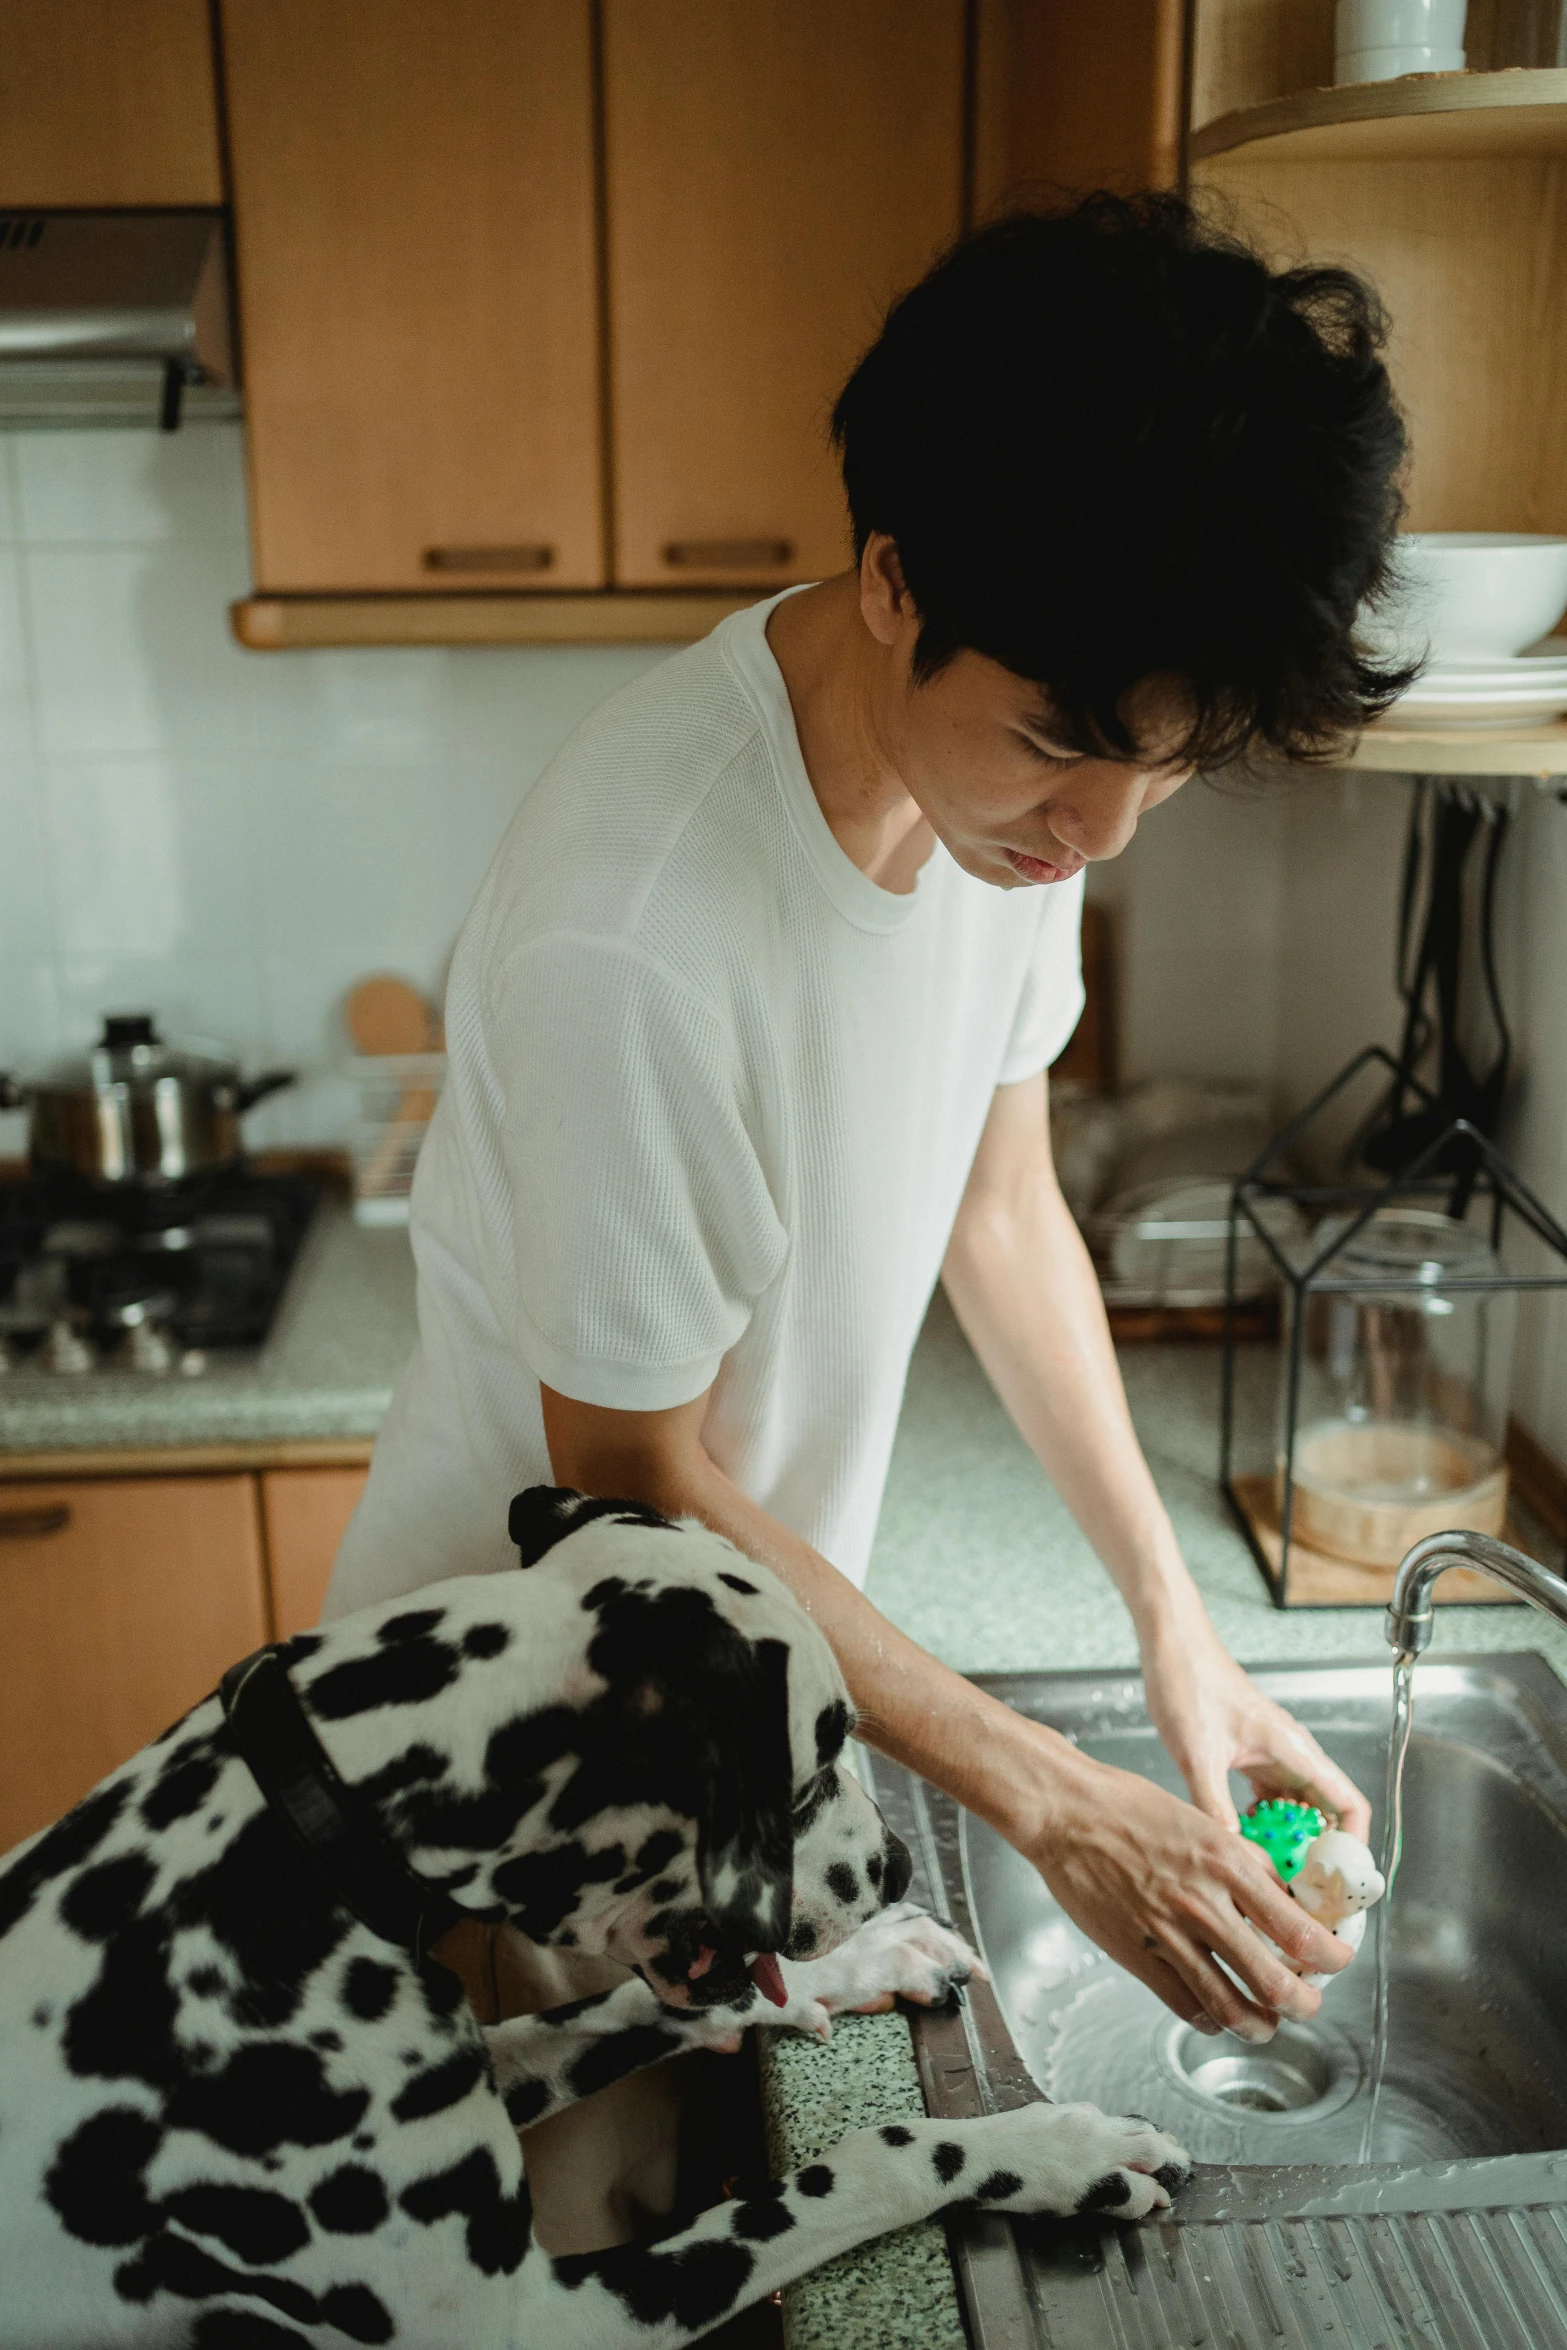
{"points": [[337, 1829]]}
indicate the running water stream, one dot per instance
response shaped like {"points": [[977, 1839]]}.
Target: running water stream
{"points": [[1392, 1848]]}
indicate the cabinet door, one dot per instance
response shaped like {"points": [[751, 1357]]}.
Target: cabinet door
{"points": [[101, 104], [415, 228], [304, 1512], [122, 1601], [776, 171]]}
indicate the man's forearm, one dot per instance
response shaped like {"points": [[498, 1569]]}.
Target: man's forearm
{"points": [[911, 1707], [1023, 1288]]}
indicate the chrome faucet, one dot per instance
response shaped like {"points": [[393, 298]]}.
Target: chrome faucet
{"points": [[1408, 1621]]}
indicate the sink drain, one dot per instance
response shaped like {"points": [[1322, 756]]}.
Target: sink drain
{"points": [[1302, 2073]]}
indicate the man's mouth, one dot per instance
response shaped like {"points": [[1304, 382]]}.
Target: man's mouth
{"points": [[1038, 868]]}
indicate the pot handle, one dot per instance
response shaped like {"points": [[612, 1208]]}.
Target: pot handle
{"points": [[256, 1089]]}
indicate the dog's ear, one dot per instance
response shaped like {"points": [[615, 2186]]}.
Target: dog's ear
{"points": [[546, 1514], [745, 1850]]}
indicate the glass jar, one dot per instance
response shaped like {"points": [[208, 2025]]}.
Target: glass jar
{"points": [[1400, 1419]]}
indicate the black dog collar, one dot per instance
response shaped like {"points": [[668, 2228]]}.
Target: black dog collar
{"points": [[360, 1866]]}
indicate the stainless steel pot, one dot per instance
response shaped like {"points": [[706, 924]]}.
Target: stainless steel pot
{"points": [[137, 1110]]}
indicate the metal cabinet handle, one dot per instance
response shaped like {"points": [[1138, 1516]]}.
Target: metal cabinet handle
{"points": [[533, 556], [26, 1525], [727, 554]]}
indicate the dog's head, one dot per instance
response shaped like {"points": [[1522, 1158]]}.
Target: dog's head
{"points": [[634, 1747], [727, 1711]]}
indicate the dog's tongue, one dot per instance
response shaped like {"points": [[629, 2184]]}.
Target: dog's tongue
{"points": [[767, 1975]]}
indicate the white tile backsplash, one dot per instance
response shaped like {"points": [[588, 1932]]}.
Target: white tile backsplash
{"points": [[229, 839]]}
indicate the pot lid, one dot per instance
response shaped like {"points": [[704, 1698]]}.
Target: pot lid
{"points": [[131, 1052]]}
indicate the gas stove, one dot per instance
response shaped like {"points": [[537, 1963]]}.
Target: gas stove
{"points": [[145, 1280]]}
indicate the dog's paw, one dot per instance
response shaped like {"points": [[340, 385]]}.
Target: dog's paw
{"points": [[904, 1953], [1071, 2159]]}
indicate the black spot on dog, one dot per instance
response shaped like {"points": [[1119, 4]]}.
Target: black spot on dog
{"points": [[1171, 2175], [122, 2027], [802, 1941], [258, 2227], [694, 2287], [497, 2224], [655, 1852], [327, 2039], [442, 1990], [665, 1889], [832, 1728], [606, 2060], [526, 2102], [107, 1896], [267, 2095], [758, 2221], [243, 2329], [997, 2186], [60, 1848], [300, 1647], [1107, 2193], [816, 2180], [873, 1871], [42, 2016], [894, 2134], [443, 2085], [842, 1881], [414, 1624], [369, 1989], [96, 2183], [182, 1786], [350, 2201], [356, 2312], [204, 1982], [278, 1925], [541, 1889], [407, 1673], [546, 1514], [485, 1639], [737, 1583], [948, 2158]]}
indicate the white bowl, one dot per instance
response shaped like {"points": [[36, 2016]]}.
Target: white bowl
{"points": [[1467, 595]]}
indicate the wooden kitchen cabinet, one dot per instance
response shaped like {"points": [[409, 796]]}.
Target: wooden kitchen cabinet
{"points": [[122, 1602], [304, 1513], [104, 103], [416, 241], [774, 173]]}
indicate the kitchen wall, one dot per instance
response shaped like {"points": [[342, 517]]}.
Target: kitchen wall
{"points": [[229, 839]]}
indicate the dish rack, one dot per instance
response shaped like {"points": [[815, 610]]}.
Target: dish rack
{"points": [[397, 1097]]}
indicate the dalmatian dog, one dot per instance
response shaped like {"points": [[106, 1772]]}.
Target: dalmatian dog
{"points": [[242, 2107]]}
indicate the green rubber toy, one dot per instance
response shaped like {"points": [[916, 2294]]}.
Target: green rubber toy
{"points": [[1286, 1831]]}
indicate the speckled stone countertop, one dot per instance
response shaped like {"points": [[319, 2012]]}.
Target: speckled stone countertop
{"points": [[327, 1369], [977, 1559]]}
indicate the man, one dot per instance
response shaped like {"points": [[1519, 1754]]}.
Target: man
{"points": [[748, 1029]]}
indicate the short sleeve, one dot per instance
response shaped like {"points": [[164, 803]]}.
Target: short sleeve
{"points": [[644, 1227], [1051, 1003]]}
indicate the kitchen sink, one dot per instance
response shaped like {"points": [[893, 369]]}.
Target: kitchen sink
{"points": [[1455, 2233]]}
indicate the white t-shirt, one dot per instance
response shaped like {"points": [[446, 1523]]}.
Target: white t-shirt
{"points": [[712, 1099]]}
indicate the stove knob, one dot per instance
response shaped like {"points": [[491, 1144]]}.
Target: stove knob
{"points": [[65, 1351], [147, 1346]]}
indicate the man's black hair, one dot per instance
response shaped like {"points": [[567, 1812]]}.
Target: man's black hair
{"points": [[1112, 445]]}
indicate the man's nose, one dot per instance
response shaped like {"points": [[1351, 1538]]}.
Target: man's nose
{"points": [[897, 1868], [1101, 816]]}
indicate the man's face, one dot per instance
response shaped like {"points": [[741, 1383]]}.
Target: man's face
{"points": [[973, 748]]}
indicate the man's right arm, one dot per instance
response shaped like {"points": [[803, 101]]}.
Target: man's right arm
{"points": [[1162, 1888]]}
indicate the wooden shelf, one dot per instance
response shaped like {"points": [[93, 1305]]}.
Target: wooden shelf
{"points": [[278, 624], [1444, 117], [1539, 750]]}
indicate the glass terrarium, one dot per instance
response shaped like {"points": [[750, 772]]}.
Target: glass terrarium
{"points": [[1381, 1415]]}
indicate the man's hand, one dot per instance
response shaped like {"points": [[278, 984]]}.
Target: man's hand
{"points": [[1213, 1720], [1168, 1894]]}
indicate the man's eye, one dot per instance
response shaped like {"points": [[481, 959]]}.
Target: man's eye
{"points": [[1044, 757]]}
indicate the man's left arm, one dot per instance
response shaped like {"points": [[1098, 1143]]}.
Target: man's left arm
{"points": [[1023, 1287]]}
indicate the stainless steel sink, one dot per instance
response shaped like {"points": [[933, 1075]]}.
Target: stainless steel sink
{"points": [[1456, 2233]]}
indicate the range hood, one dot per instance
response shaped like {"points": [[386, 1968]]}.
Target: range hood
{"points": [[113, 318]]}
